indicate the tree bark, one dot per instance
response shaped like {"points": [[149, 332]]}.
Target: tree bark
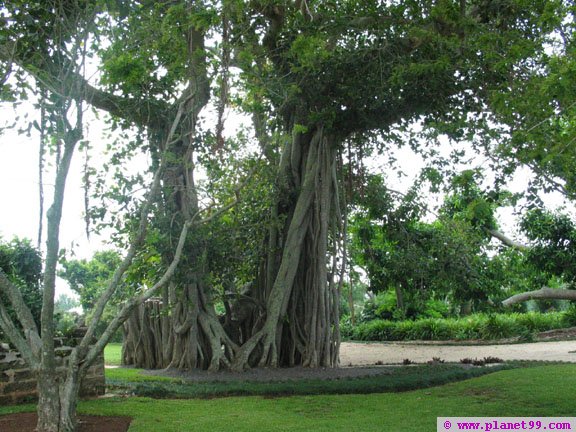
{"points": [[58, 396], [542, 294], [300, 306], [49, 403], [507, 240]]}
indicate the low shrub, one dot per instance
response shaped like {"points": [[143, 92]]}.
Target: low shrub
{"points": [[499, 326], [392, 379], [570, 316], [346, 327], [478, 326]]}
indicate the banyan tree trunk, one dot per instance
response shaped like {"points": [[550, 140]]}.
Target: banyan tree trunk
{"points": [[181, 329], [301, 326], [298, 323]]}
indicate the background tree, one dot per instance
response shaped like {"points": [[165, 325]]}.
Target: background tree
{"points": [[537, 112], [551, 237], [445, 260], [546, 254], [89, 279]]}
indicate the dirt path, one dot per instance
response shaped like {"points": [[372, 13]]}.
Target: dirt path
{"points": [[362, 354], [365, 359]]}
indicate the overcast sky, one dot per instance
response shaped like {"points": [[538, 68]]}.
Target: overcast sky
{"points": [[19, 202]]}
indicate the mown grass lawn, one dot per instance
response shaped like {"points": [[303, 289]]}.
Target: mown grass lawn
{"points": [[113, 354], [539, 391]]}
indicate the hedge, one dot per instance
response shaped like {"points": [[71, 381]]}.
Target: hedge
{"points": [[477, 326]]}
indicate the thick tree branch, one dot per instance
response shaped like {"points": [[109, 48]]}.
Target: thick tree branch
{"points": [[146, 113], [29, 344], [54, 216], [15, 296], [30, 355], [507, 240], [542, 294]]}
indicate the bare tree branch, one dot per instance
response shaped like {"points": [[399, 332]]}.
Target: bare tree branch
{"points": [[17, 339], [507, 240], [542, 294], [131, 304]]}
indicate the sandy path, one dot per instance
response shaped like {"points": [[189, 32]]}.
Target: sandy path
{"points": [[363, 355], [359, 354]]}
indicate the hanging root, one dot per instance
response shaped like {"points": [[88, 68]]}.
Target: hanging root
{"points": [[221, 346], [242, 359]]}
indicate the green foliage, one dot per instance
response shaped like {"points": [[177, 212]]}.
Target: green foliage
{"points": [[22, 263], [429, 263], [89, 278], [477, 326], [66, 319], [499, 327], [236, 247], [539, 113], [570, 315], [66, 323], [436, 309], [515, 275], [469, 203], [381, 306], [553, 238], [149, 53], [65, 303]]}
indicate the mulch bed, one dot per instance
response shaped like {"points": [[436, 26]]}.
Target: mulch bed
{"points": [[26, 422]]}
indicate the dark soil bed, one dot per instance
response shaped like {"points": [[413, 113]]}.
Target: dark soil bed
{"points": [[26, 422]]}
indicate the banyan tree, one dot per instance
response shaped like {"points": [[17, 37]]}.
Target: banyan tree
{"points": [[316, 77], [319, 79]]}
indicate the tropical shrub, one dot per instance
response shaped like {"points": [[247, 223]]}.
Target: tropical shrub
{"points": [[478, 326]]}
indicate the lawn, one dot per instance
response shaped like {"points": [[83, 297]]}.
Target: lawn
{"points": [[537, 391], [113, 354]]}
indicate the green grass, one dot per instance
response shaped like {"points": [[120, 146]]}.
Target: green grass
{"points": [[537, 391], [130, 375], [113, 354], [396, 379]]}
